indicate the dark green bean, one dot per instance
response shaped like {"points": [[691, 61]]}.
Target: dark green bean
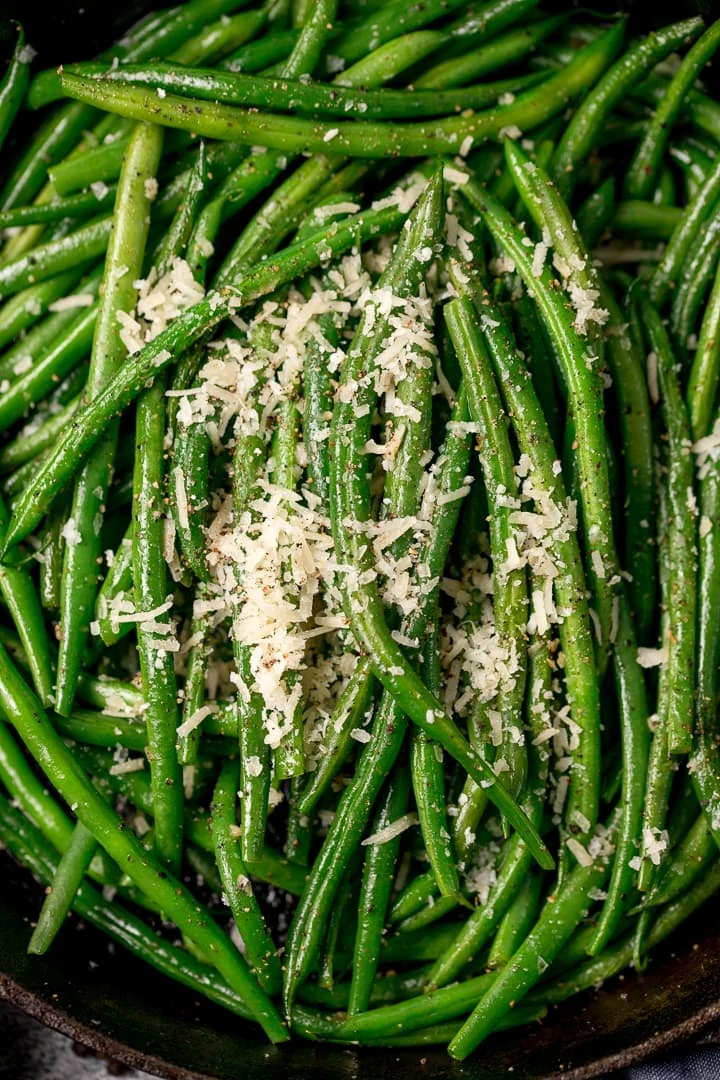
{"points": [[705, 371], [562, 912], [577, 643], [689, 860], [123, 267], [66, 880], [377, 882], [26, 714], [156, 640], [624, 352], [642, 174], [683, 237], [693, 283], [356, 138], [588, 119], [646, 221], [517, 922], [24, 309], [597, 212], [117, 585], [680, 599], [260, 951], [118, 923], [53, 364], [181, 335], [47, 260], [305, 98], [14, 83], [510, 594], [503, 50], [705, 760], [94, 166]]}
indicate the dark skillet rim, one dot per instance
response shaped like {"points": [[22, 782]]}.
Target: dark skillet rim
{"points": [[107, 1047]]}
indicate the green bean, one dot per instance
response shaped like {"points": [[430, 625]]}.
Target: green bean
{"points": [[94, 729], [588, 119], [163, 33], [503, 50], [30, 794], [14, 84], [188, 493], [614, 959], [429, 787], [378, 875], [110, 695], [442, 1033], [116, 922], [386, 990], [181, 335], [517, 858], [694, 281], [305, 98], [23, 606], [259, 55], [624, 352], [27, 716], [349, 501], [219, 38], [703, 378], [149, 571], [122, 268], [53, 364], [683, 237], [597, 212], [634, 738], [289, 755], [194, 689], [68, 877], [695, 167], [517, 922], [117, 584], [25, 308], [259, 947], [705, 763], [280, 213], [397, 18], [94, 166], [584, 388], [646, 221], [49, 332], [175, 242], [657, 794], [641, 176], [532, 340], [356, 138], [433, 1007], [574, 630], [562, 912], [47, 260], [680, 599], [691, 858], [352, 708], [57, 135], [51, 557], [307, 927], [387, 735], [509, 585]]}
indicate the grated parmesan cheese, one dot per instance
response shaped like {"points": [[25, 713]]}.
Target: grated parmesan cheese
{"points": [[389, 832]]}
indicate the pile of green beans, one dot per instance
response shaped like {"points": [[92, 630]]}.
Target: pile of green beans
{"points": [[360, 504]]}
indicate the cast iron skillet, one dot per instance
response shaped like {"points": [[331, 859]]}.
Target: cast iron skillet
{"points": [[106, 999]]}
